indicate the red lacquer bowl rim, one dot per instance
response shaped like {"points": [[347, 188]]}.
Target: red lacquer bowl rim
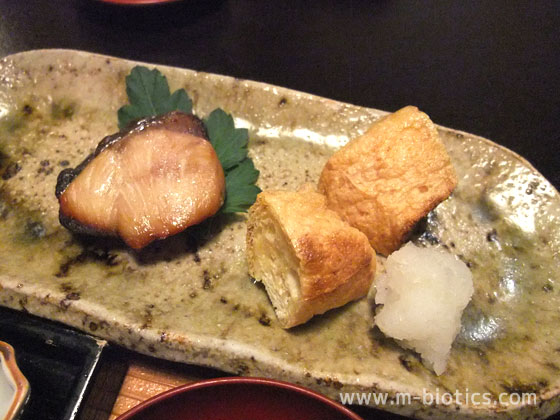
{"points": [[160, 398], [138, 2]]}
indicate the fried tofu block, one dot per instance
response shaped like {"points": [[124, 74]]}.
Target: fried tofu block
{"points": [[308, 259], [389, 178]]}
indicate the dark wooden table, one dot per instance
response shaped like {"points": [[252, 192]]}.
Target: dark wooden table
{"points": [[489, 68]]}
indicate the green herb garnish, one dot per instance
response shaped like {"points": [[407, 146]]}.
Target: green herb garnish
{"points": [[230, 144], [149, 95], [240, 186]]}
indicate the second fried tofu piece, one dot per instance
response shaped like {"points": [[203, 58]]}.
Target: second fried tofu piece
{"points": [[389, 178], [308, 259]]}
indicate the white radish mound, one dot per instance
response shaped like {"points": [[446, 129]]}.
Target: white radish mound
{"points": [[424, 292]]}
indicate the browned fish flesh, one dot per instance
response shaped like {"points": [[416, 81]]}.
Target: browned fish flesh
{"points": [[151, 181]]}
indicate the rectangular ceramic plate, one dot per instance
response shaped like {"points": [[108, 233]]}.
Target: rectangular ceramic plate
{"points": [[193, 301], [58, 362]]}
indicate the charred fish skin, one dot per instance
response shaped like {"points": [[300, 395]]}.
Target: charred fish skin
{"points": [[174, 122], [65, 178]]}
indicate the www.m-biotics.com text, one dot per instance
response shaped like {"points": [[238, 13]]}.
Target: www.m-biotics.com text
{"points": [[443, 398]]}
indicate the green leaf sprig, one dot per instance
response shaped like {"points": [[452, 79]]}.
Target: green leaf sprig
{"points": [[149, 95], [230, 144]]}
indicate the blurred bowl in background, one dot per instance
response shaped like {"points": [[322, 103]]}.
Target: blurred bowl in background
{"points": [[14, 388], [138, 2], [239, 399], [147, 15]]}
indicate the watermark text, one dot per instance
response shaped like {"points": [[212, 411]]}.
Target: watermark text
{"points": [[438, 398]]}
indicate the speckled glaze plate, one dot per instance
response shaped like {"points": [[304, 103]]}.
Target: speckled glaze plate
{"points": [[190, 298]]}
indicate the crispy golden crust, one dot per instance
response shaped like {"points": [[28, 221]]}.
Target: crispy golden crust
{"points": [[307, 257], [386, 180]]}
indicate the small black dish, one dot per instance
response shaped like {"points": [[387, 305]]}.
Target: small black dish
{"points": [[58, 362]]}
